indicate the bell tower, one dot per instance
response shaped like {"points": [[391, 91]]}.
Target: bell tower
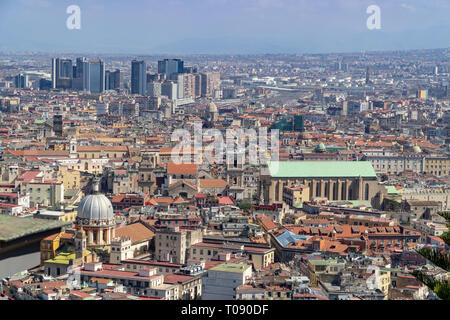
{"points": [[73, 149], [80, 244]]}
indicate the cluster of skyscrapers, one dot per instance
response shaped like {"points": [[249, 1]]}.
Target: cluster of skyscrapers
{"points": [[85, 75], [183, 82], [173, 79]]}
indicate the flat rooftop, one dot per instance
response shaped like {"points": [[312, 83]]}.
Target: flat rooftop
{"points": [[15, 227], [231, 267]]}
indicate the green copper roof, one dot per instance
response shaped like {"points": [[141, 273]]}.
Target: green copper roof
{"points": [[320, 146], [391, 190], [15, 227], [321, 169]]}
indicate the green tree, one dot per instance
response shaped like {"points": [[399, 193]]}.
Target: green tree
{"points": [[246, 206], [436, 256], [446, 237]]}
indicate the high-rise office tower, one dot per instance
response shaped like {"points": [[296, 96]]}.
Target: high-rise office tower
{"points": [[152, 77], [81, 76], [107, 79], [171, 67], [338, 66], [96, 76], [114, 79], [62, 73], [53, 73], [45, 84], [367, 76], [138, 77], [189, 69], [345, 67], [21, 81]]}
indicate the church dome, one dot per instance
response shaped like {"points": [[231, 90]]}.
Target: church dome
{"points": [[321, 147], [95, 207], [417, 149]]}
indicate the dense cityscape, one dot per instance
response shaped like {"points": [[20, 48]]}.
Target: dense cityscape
{"points": [[355, 206]]}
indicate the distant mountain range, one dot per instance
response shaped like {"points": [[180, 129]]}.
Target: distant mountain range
{"points": [[303, 42]]}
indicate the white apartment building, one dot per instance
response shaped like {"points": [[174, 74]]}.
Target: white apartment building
{"points": [[221, 281], [394, 163]]}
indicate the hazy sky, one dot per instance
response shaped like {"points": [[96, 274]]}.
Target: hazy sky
{"points": [[222, 26]]}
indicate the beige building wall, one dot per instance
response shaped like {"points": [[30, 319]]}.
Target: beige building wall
{"points": [[69, 177], [170, 246], [437, 166], [45, 194], [330, 188]]}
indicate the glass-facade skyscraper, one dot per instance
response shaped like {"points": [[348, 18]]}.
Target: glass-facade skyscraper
{"points": [[81, 78], [171, 67], [138, 77], [62, 73], [114, 79], [96, 76]]}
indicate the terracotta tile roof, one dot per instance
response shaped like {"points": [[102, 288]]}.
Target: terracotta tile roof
{"points": [[267, 223], [200, 195], [212, 183], [136, 231], [52, 284], [190, 169], [156, 201], [258, 240], [118, 198], [51, 237], [29, 175], [176, 278], [225, 200], [179, 200], [178, 183], [100, 280], [99, 148], [80, 294]]}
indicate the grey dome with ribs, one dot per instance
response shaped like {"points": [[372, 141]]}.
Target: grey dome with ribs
{"points": [[95, 207]]}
